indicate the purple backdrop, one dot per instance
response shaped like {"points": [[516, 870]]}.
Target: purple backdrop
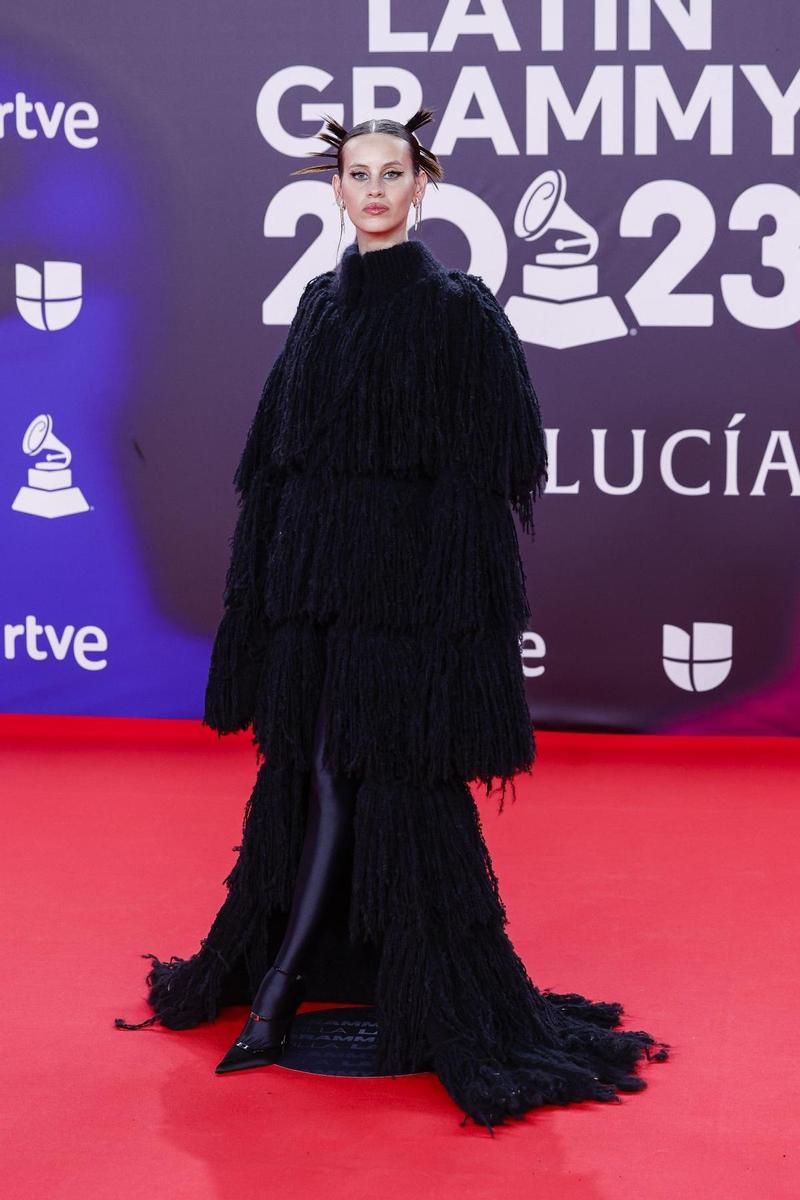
{"points": [[626, 184]]}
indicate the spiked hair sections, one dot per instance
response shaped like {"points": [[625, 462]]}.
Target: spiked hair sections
{"points": [[337, 137]]}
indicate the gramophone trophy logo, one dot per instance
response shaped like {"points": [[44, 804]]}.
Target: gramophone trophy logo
{"points": [[560, 306], [49, 491]]}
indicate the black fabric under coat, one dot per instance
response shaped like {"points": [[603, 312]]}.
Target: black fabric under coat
{"points": [[376, 557]]}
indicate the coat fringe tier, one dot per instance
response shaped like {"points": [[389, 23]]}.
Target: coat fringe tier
{"points": [[375, 559]]}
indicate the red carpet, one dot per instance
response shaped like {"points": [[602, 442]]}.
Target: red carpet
{"points": [[118, 836]]}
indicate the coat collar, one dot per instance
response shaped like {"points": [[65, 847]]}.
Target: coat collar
{"points": [[378, 274]]}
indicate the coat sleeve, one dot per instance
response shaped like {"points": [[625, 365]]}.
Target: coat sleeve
{"points": [[510, 422], [238, 648]]}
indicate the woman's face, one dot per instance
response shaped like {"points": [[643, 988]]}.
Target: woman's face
{"points": [[378, 171]]}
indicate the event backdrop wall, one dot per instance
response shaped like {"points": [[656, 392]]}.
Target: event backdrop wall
{"points": [[624, 177]]}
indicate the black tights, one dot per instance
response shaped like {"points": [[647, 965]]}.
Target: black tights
{"points": [[331, 803]]}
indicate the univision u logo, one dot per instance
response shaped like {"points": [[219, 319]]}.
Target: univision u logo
{"points": [[699, 661], [49, 299]]}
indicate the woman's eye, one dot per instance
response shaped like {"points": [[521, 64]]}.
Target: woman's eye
{"points": [[392, 171]]}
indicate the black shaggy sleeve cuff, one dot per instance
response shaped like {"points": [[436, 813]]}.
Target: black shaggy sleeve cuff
{"points": [[511, 406], [237, 651]]}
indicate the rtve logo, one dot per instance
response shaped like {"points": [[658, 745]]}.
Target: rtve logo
{"points": [[38, 643], [69, 120], [49, 299], [699, 661]]}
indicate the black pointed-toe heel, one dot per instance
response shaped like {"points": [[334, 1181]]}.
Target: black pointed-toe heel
{"points": [[261, 1044]]}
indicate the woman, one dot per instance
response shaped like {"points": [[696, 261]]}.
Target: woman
{"points": [[373, 611]]}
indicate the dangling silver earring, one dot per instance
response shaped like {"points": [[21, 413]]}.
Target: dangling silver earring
{"points": [[418, 214], [341, 230]]}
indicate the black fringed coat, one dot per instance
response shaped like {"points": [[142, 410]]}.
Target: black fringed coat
{"points": [[396, 432], [376, 557]]}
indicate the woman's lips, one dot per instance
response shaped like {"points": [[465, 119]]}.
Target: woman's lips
{"points": [[376, 208]]}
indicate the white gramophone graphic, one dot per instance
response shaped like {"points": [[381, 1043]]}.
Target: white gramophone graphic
{"points": [[49, 491], [560, 306]]}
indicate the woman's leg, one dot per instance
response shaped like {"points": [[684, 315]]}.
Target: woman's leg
{"points": [[329, 829]]}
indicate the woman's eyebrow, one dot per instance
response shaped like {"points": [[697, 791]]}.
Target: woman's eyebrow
{"points": [[386, 164]]}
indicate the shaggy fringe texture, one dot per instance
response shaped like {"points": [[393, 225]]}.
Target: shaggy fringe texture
{"points": [[396, 434], [451, 991], [417, 535], [186, 992], [375, 555], [451, 994], [414, 706]]}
